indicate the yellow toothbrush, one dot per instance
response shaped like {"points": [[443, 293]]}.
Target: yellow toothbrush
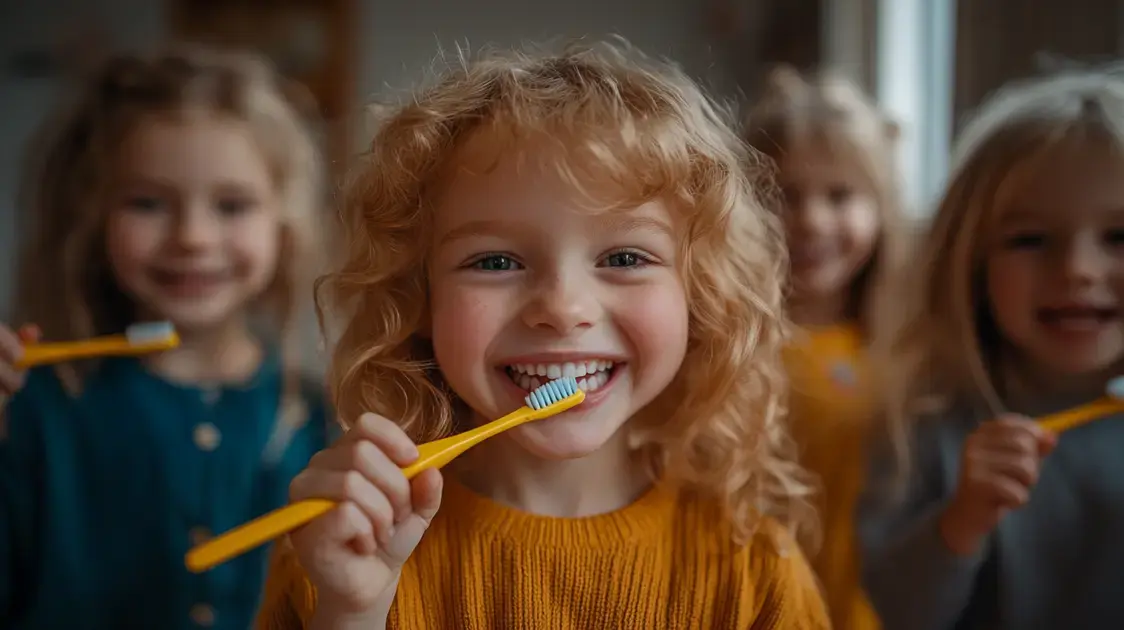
{"points": [[1112, 403], [137, 339], [546, 400]]}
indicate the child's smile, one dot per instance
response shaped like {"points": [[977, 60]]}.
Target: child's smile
{"points": [[527, 285], [591, 373]]}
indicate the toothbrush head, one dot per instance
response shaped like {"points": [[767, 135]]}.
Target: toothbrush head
{"points": [[1115, 388], [553, 392], [152, 335]]}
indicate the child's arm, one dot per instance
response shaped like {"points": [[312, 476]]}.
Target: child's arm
{"points": [[913, 579]]}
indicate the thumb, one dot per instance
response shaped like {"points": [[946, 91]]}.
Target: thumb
{"points": [[29, 333], [426, 499], [1047, 440]]}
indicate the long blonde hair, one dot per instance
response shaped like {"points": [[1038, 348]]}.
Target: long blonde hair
{"points": [[833, 114], [65, 283], [945, 347], [652, 131]]}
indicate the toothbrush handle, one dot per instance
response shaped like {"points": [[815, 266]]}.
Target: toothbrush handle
{"points": [[1065, 420], [58, 352], [284, 520], [255, 533], [440, 452]]}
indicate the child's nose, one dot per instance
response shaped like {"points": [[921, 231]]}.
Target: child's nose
{"points": [[562, 304], [812, 217], [197, 228], [1084, 262]]}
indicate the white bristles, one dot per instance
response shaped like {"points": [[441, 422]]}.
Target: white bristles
{"points": [[552, 392], [1115, 388], [149, 332]]}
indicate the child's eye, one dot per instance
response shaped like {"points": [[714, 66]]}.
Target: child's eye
{"points": [[145, 204], [234, 206], [1026, 240], [625, 259], [496, 262], [1114, 237]]}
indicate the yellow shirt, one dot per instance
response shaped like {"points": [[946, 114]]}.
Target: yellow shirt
{"points": [[665, 561], [830, 418]]}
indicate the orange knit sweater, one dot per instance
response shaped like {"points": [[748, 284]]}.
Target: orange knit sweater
{"points": [[665, 561], [830, 420]]}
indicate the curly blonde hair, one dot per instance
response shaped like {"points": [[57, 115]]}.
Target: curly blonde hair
{"points": [[653, 131], [65, 284], [832, 114], [945, 346]]}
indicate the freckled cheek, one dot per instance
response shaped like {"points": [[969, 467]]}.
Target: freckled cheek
{"points": [[465, 323], [655, 322]]}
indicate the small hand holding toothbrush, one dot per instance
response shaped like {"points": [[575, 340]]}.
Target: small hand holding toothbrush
{"points": [[22, 350], [1000, 464], [386, 493]]}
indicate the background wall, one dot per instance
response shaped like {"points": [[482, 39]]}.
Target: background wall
{"points": [[398, 42]]}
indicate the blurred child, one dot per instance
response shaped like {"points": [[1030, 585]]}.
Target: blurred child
{"points": [[582, 214], [835, 155], [181, 188], [1015, 313]]}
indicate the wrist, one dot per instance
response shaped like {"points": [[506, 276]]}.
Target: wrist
{"points": [[331, 614], [960, 539]]}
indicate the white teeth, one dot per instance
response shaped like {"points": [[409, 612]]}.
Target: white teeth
{"points": [[590, 374], [593, 382], [577, 369]]}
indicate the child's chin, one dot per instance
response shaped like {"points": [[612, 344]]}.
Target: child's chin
{"points": [[563, 438]]}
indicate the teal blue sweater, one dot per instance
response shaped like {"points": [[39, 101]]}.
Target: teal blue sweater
{"points": [[101, 496]]}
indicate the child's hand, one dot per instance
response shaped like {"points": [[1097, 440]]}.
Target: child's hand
{"points": [[354, 553], [998, 468], [11, 349]]}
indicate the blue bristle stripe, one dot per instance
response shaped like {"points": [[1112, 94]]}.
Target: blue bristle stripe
{"points": [[552, 392], [148, 332], [1116, 388]]}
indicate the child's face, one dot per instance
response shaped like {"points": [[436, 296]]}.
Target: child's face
{"points": [[194, 226], [831, 221], [526, 287], [1055, 267]]}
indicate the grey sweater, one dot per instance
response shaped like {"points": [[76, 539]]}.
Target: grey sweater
{"points": [[1058, 563]]}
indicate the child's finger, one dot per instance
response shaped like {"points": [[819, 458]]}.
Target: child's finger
{"points": [[1021, 468], [365, 457], [1010, 436], [1047, 440], [426, 488], [426, 491], [386, 435], [387, 477], [11, 349], [29, 333], [11, 379], [1007, 492], [343, 486], [346, 524], [364, 539]]}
